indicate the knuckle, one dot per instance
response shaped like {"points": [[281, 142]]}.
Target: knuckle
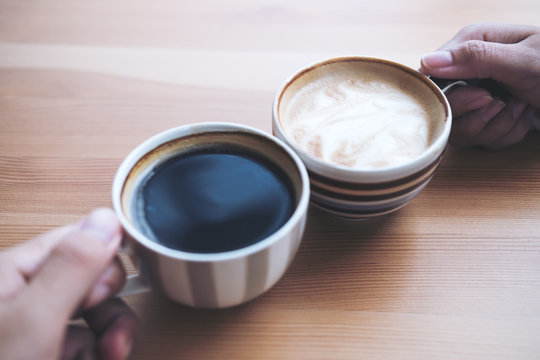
{"points": [[477, 49]]}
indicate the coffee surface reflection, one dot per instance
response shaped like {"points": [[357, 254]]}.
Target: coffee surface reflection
{"points": [[213, 200]]}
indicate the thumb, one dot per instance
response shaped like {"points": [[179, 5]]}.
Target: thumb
{"points": [[73, 266], [476, 59]]}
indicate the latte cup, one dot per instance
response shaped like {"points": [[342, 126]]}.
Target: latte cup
{"points": [[216, 279], [371, 132]]}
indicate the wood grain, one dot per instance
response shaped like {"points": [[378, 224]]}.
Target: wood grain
{"points": [[454, 275]]}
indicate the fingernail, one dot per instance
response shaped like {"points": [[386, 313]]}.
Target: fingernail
{"points": [[493, 109], [102, 223], [479, 103], [517, 108], [438, 59]]}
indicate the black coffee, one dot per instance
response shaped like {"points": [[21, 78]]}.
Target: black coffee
{"points": [[214, 200]]}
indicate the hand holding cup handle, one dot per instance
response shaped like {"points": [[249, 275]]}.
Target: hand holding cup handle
{"points": [[500, 62]]}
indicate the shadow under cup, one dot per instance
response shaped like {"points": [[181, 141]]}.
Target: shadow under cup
{"points": [[217, 279], [360, 193]]}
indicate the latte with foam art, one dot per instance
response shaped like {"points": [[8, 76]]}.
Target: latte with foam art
{"points": [[361, 118]]}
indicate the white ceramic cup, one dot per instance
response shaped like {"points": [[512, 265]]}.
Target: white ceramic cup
{"points": [[351, 193], [211, 280]]}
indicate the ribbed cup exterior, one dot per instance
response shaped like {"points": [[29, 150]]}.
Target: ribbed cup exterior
{"points": [[364, 200], [218, 283]]}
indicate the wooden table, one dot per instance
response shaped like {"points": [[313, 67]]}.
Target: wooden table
{"points": [[455, 274]]}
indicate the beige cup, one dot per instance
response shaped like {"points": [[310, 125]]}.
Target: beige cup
{"points": [[344, 191], [214, 280]]}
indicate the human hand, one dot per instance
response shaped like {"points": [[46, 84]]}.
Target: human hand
{"points": [[509, 55], [72, 270]]}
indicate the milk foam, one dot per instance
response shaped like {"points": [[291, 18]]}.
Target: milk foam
{"points": [[361, 122]]}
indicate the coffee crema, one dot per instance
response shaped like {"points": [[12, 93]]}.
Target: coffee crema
{"points": [[361, 117]]}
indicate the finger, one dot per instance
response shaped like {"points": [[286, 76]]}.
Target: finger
{"points": [[502, 123], [518, 132], [109, 283], [31, 254], [12, 280], [482, 50], [18, 264], [464, 99], [466, 128], [73, 266], [492, 32], [115, 324], [79, 344], [478, 59]]}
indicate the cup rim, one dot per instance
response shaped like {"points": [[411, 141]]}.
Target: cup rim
{"points": [[154, 141], [378, 175]]}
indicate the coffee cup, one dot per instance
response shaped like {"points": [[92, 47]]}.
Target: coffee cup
{"points": [[213, 213], [370, 131]]}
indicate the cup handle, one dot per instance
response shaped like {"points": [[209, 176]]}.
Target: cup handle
{"points": [[135, 284], [447, 84]]}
